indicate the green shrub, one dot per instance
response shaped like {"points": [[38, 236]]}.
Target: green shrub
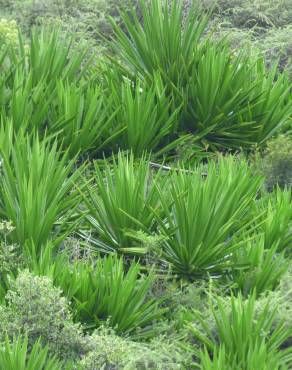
{"points": [[145, 113], [122, 201], [276, 44], [37, 190], [275, 222], [258, 357], [104, 291], [36, 308], [230, 100], [240, 331], [29, 79], [8, 32], [83, 116], [87, 20], [280, 298], [276, 163], [261, 268], [15, 355], [111, 351], [161, 44], [251, 13], [203, 214]]}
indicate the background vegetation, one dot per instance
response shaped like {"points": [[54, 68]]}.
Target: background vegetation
{"points": [[145, 188]]}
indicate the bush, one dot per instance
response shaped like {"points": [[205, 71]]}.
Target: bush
{"points": [[111, 351], [259, 269], [240, 332], [276, 44], [253, 14], [37, 190], [11, 259], [8, 32], [87, 20], [229, 99], [121, 202], [104, 291], [276, 163], [36, 308], [202, 216], [273, 215], [15, 355], [282, 299]]}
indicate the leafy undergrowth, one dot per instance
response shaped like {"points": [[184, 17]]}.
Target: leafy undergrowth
{"points": [[145, 195]]}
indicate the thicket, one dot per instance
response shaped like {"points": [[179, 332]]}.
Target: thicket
{"points": [[145, 196]]}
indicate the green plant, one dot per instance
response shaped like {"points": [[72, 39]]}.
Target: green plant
{"points": [[145, 112], [276, 162], [8, 32], [248, 339], [229, 100], [275, 44], [86, 117], [50, 56], [37, 191], [276, 220], [110, 350], [261, 269], [120, 202], [15, 355], [11, 260], [203, 214], [31, 71], [36, 308], [103, 291], [159, 43], [258, 357], [280, 298]]}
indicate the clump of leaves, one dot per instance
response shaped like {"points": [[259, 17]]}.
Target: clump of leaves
{"points": [[110, 350], [104, 291], [8, 32], [37, 190], [229, 100], [275, 221], [16, 355], [262, 269], [122, 200], [36, 308], [240, 336], [276, 162], [201, 216]]}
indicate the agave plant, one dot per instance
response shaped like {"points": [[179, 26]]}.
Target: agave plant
{"points": [[276, 219], [259, 357], [49, 56], [240, 336], [159, 43], [274, 109], [37, 192], [83, 117], [147, 116], [229, 101], [233, 101], [218, 99], [203, 216], [30, 73], [26, 106], [15, 355], [104, 292], [261, 268], [122, 201]]}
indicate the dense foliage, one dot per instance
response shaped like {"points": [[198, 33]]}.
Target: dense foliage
{"points": [[145, 186]]}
